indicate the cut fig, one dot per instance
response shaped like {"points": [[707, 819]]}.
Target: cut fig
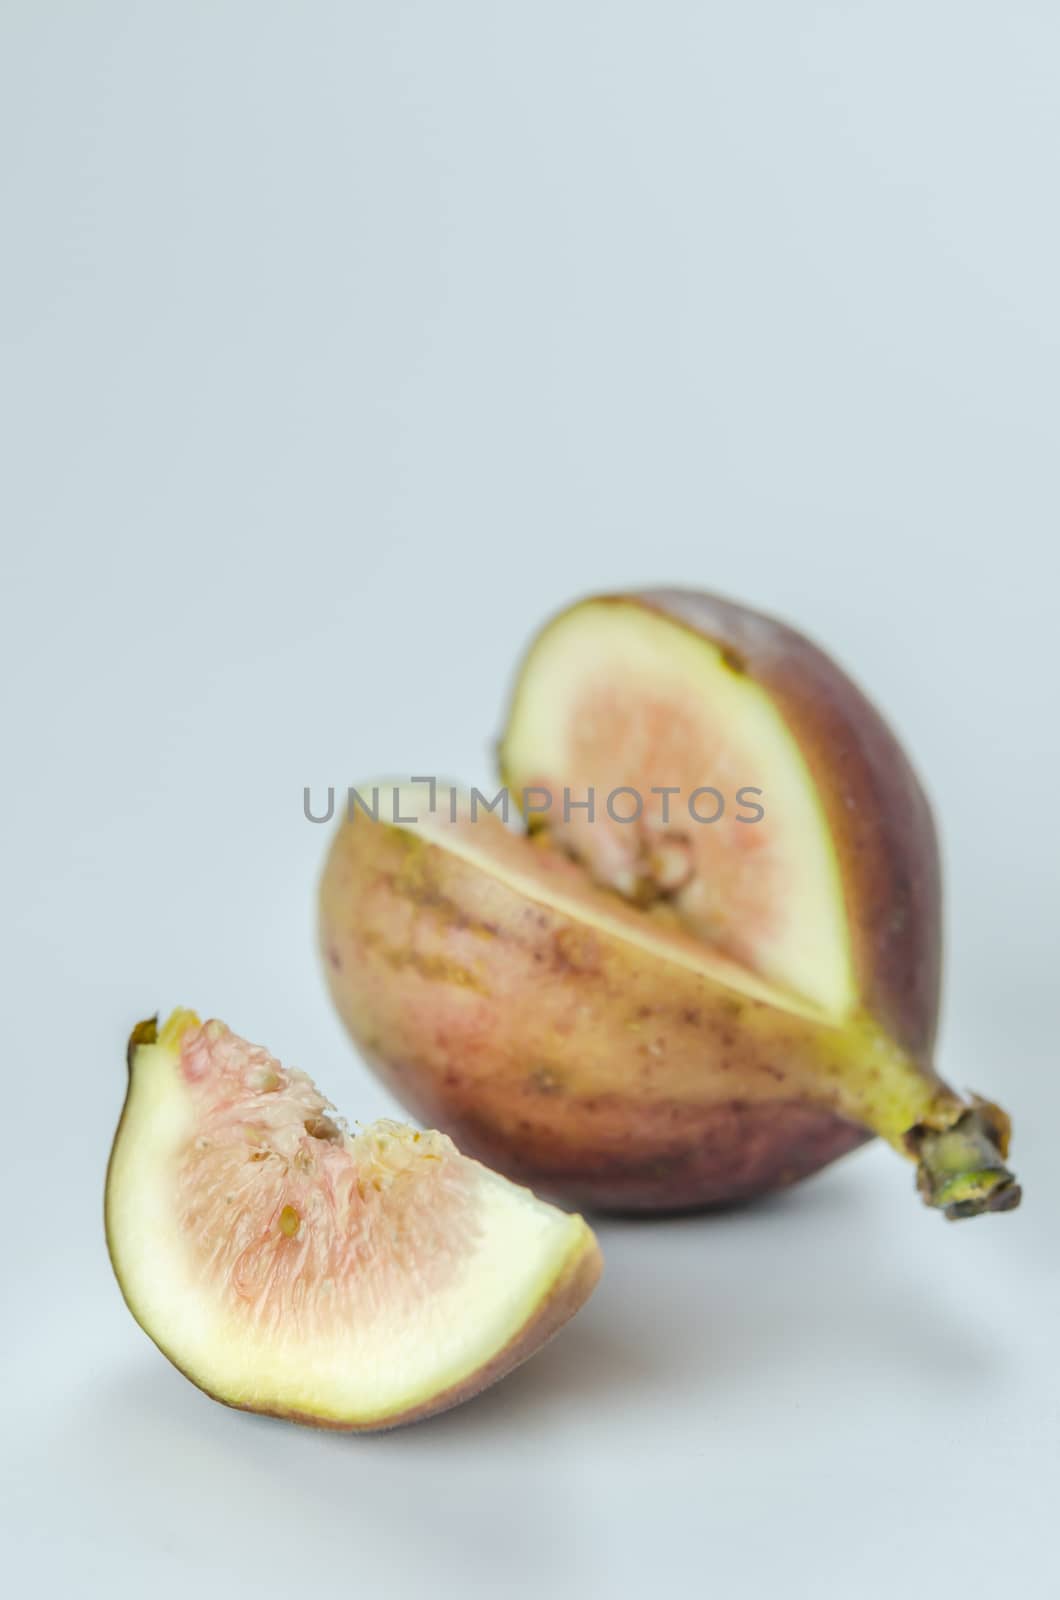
{"points": [[289, 1267], [615, 701], [575, 1042], [671, 1011]]}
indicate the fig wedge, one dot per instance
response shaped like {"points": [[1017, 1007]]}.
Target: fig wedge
{"points": [[834, 892], [288, 1267]]}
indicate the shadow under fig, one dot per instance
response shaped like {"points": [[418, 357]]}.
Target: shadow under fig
{"points": [[787, 1289], [782, 1288]]}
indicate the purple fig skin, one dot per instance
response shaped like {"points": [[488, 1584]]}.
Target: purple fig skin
{"points": [[571, 1058], [581, 1060], [880, 818]]}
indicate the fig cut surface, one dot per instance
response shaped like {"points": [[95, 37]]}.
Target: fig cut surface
{"points": [[616, 699], [287, 1266]]}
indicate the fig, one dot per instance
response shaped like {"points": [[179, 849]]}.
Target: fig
{"points": [[287, 1266], [711, 963]]}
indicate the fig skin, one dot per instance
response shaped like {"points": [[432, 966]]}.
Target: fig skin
{"points": [[579, 1058], [880, 819], [582, 1061]]}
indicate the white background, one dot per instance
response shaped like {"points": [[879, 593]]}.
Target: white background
{"points": [[342, 343]]}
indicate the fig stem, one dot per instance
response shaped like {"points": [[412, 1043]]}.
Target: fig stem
{"points": [[961, 1170]]}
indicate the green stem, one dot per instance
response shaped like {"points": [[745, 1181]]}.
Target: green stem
{"points": [[962, 1169], [959, 1145]]}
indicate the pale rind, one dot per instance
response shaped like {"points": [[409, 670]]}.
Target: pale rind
{"points": [[362, 1375]]}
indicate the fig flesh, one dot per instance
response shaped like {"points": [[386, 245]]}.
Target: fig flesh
{"points": [[289, 1267], [665, 1011], [835, 892]]}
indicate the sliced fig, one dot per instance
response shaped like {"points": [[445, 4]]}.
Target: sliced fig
{"points": [[601, 1051], [811, 852], [286, 1266]]}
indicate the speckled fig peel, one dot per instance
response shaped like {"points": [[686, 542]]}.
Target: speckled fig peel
{"points": [[667, 1015], [287, 1266]]}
